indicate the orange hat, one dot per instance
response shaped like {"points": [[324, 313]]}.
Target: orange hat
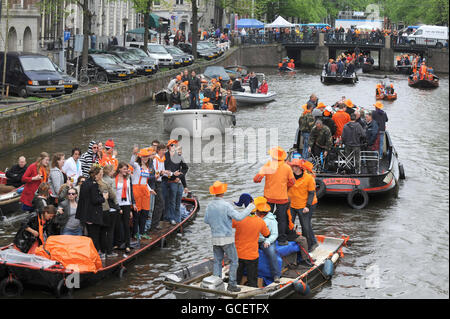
{"points": [[321, 105], [109, 143], [308, 166], [131, 168], [292, 60], [326, 113], [261, 204], [379, 105], [304, 107], [178, 77], [278, 153], [144, 152], [220, 78], [392, 85], [186, 83], [218, 188], [296, 162], [205, 99], [170, 142], [349, 103], [213, 80]]}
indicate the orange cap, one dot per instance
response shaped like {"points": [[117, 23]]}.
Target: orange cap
{"points": [[218, 188], [170, 142]]}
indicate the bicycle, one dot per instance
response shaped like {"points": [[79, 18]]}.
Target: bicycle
{"points": [[92, 74]]}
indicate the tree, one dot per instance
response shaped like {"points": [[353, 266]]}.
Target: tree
{"points": [[144, 7]]}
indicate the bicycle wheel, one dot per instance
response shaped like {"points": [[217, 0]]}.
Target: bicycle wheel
{"points": [[83, 79], [102, 78]]}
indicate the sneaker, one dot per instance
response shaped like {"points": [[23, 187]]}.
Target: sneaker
{"points": [[283, 243], [111, 255], [276, 279], [232, 288], [173, 222]]}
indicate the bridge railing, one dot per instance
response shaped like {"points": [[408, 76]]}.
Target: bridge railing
{"points": [[400, 42], [342, 38], [269, 38]]}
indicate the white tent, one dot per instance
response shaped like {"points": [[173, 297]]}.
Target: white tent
{"points": [[280, 22]]}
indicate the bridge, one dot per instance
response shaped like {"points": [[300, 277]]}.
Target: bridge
{"points": [[315, 50]]}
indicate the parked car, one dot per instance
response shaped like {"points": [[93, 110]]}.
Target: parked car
{"points": [[140, 54], [159, 53], [104, 63], [180, 57], [31, 74], [211, 45], [202, 52], [142, 68], [132, 70], [69, 82]]}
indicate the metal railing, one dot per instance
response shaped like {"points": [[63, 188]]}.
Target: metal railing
{"points": [[282, 38], [338, 38]]}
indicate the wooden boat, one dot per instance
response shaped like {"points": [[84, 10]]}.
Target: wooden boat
{"points": [[247, 98], [337, 175], [9, 197], [338, 78], [189, 282], [198, 122], [424, 84], [27, 270], [387, 97]]}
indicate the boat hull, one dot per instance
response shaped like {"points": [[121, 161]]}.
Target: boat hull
{"points": [[326, 78], [424, 84], [198, 123], [246, 98]]}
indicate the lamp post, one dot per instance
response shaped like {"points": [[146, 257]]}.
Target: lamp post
{"points": [[125, 21]]}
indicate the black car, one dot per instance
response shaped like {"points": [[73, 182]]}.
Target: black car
{"points": [[180, 57], [202, 51], [70, 83], [142, 68], [211, 46], [31, 74], [139, 54], [105, 64]]}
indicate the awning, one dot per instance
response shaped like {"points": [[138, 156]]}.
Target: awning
{"points": [[250, 23], [141, 31], [280, 22]]}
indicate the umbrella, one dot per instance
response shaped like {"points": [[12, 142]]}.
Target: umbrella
{"points": [[250, 23]]}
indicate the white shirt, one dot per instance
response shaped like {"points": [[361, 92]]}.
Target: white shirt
{"points": [[72, 169], [119, 195], [158, 166]]}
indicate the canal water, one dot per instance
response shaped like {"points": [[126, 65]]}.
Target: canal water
{"points": [[399, 246]]}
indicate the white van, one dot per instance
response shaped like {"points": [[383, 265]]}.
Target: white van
{"points": [[429, 35]]}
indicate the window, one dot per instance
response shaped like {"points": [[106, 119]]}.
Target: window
{"points": [[418, 32], [156, 3], [179, 2], [35, 63]]}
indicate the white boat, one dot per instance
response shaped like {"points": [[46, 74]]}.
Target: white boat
{"points": [[246, 98], [198, 122]]}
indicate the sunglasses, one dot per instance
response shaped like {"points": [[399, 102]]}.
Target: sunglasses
{"points": [[71, 193]]}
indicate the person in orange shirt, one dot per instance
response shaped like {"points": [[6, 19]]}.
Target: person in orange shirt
{"points": [[279, 177], [207, 105], [108, 155], [303, 200], [341, 117], [246, 239]]}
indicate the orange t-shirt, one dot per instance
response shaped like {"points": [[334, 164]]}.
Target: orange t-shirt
{"points": [[340, 118], [279, 177], [106, 160], [298, 194], [247, 235]]}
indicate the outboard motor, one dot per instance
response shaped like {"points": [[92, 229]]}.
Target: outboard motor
{"points": [[213, 283]]}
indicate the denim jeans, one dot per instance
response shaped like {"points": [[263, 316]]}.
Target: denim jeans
{"points": [[305, 153], [148, 223], [305, 222], [175, 191], [177, 106], [271, 254], [381, 143], [73, 232], [194, 100], [231, 252]]}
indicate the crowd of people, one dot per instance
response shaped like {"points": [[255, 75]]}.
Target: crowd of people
{"points": [[266, 221], [323, 129], [96, 195]]}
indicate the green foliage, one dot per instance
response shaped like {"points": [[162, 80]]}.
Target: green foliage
{"points": [[417, 11]]}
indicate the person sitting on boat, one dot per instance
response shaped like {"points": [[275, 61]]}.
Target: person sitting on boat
{"points": [[207, 105], [35, 230], [237, 85], [230, 102], [353, 136], [328, 121], [303, 200], [313, 100], [340, 118], [305, 125], [253, 82], [15, 173], [247, 236], [379, 91], [264, 87], [320, 140], [291, 64], [267, 244], [219, 216], [279, 177], [40, 199], [175, 99]]}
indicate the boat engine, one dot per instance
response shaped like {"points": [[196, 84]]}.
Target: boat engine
{"points": [[213, 283]]}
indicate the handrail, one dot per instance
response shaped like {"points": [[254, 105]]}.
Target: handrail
{"points": [[104, 88]]}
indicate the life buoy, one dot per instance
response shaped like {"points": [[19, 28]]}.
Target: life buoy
{"points": [[301, 288], [62, 290], [11, 287], [354, 194], [321, 188], [328, 269], [401, 171]]}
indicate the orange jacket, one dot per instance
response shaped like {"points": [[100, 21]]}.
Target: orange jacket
{"points": [[340, 118], [107, 160], [247, 235], [279, 177], [298, 194]]}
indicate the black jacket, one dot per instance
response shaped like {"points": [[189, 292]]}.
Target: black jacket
{"points": [[253, 82], [90, 203], [176, 166], [174, 98], [14, 175], [194, 84], [237, 86], [381, 117], [353, 134], [328, 121]]}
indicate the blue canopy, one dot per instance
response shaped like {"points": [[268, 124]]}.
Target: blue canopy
{"points": [[250, 23]]}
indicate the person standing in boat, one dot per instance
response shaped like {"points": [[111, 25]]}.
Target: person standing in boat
{"points": [[353, 137], [279, 177], [305, 125], [175, 99], [56, 178], [161, 201], [35, 174], [340, 118], [237, 85], [219, 216], [372, 139], [247, 235], [65, 216], [328, 121], [15, 173], [320, 139], [381, 118], [72, 167], [89, 158], [303, 200], [253, 82], [230, 102], [194, 87]]}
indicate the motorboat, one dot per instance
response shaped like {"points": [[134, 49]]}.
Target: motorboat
{"points": [[247, 98], [425, 83]]}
